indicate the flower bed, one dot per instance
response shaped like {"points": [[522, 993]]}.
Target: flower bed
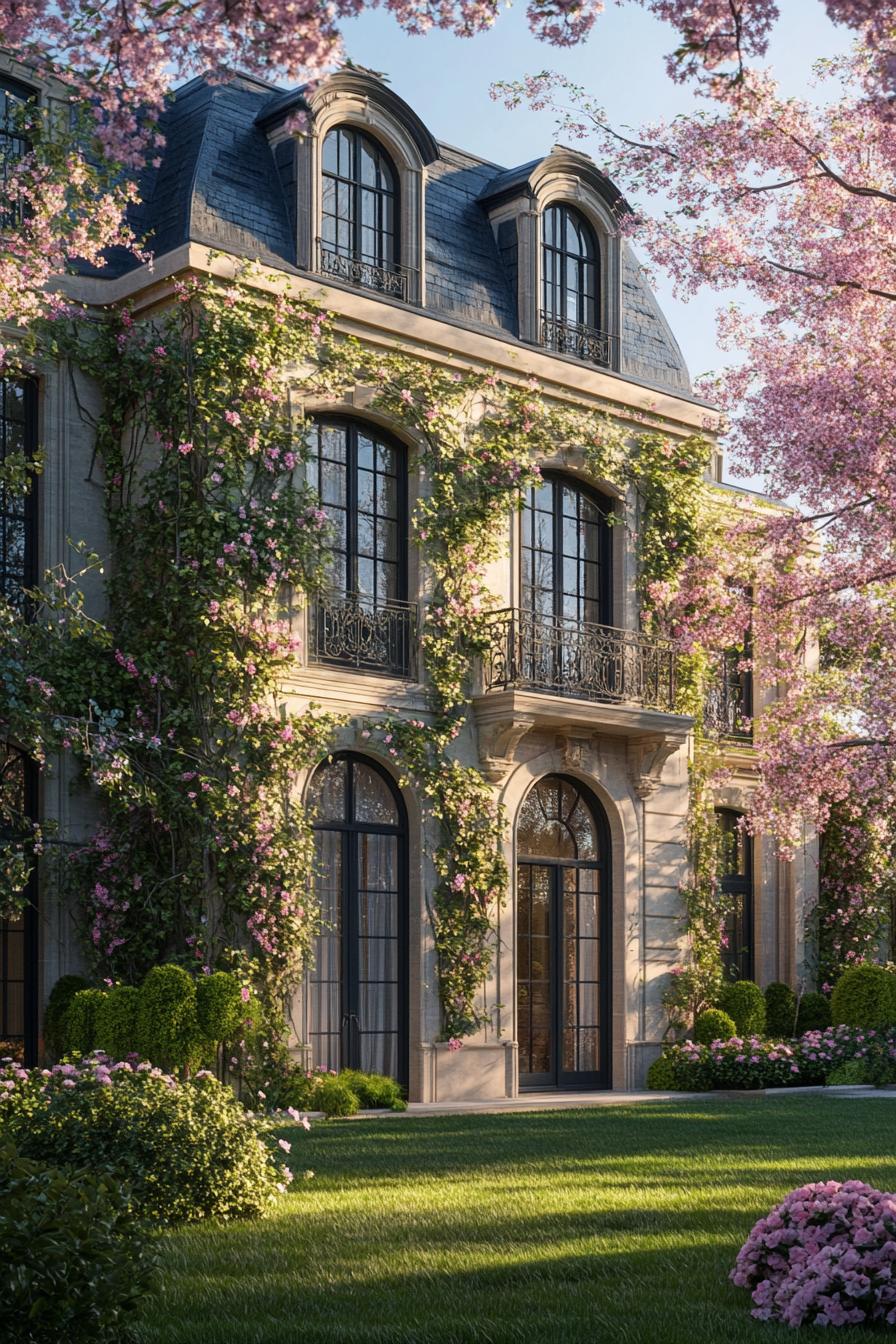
{"points": [[825, 1256], [744, 1063]]}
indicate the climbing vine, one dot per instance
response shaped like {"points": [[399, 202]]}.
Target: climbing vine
{"points": [[855, 889], [172, 699]]}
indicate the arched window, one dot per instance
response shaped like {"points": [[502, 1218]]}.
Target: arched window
{"points": [[736, 871], [570, 266], [359, 215], [363, 618], [565, 555], [357, 993], [563, 909]]}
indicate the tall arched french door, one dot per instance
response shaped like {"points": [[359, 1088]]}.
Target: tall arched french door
{"points": [[563, 937], [356, 995]]}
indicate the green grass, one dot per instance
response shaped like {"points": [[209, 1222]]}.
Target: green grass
{"points": [[615, 1224]]}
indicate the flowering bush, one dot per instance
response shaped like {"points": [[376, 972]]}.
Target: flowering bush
{"points": [[742, 1063], [76, 1264], [188, 1150], [825, 1256]]}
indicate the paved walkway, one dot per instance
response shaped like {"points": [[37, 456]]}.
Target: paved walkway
{"points": [[569, 1101]]}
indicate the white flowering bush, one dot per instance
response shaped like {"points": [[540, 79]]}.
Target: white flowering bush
{"points": [[187, 1150], [825, 1256]]}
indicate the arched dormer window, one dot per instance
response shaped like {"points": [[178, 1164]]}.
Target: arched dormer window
{"points": [[359, 215], [571, 301]]}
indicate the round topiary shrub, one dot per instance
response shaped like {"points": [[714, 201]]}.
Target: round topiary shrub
{"points": [[76, 1263], [334, 1096], [780, 1011], [56, 1011], [825, 1256], [743, 1001], [80, 1021], [714, 1025], [219, 1006], [166, 1022], [187, 1150], [864, 996], [662, 1076], [116, 1021], [813, 1014]]}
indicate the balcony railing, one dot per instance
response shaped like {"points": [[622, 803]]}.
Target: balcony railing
{"points": [[391, 280], [360, 632], [590, 662], [728, 702], [572, 338]]}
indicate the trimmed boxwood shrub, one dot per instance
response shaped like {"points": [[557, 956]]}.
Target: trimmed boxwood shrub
{"points": [[662, 1076], [167, 1026], [851, 1072], [219, 1006], [56, 1012], [714, 1025], [743, 1001], [80, 1021], [814, 1013], [780, 1011], [864, 996], [335, 1096], [374, 1090], [76, 1263], [188, 1150], [116, 1022]]}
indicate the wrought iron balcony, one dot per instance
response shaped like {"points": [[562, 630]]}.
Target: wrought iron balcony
{"points": [[572, 338], [728, 702], [391, 280], [359, 632], [527, 650]]}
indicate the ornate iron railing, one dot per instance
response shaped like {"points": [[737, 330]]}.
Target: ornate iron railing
{"points": [[572, 338], [363, 633], [392, 280], [591, 662], [728, 701]]}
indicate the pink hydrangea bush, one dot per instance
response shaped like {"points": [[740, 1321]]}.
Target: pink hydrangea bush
{"points": [[825, 1256]]}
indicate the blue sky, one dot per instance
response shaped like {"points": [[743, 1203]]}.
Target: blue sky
{"points": [[446, 79]]}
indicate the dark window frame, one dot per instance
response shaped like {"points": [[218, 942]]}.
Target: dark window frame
{"points": [[349, 988], [353, 429], [739, 957], [14, 579], [559, 481], [557, 1077], [555, 284], [357, 189], [13, 146]]}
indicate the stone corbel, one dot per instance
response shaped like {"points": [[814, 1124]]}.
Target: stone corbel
{"points": [[646, 758], [498, 743], [575, 751]]}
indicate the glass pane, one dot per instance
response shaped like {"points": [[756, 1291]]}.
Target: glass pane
{"points": [[327, 794], [373, 798]]}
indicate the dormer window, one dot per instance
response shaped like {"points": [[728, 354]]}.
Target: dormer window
{"points": [[359, 216], [571, 286]]}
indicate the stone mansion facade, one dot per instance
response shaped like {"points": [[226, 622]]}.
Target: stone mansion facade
{"points": [[413, 243]]}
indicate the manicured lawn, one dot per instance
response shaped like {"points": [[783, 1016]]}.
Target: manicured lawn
{"points": [[617, 1224]]}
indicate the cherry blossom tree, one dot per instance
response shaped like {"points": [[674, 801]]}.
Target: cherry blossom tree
{"points": [[795, 202], [70, 170]]}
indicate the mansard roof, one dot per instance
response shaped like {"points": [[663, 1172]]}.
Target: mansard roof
{"points": [[226, 182]]}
